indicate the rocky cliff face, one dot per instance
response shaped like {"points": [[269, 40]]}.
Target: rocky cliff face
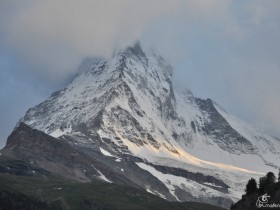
{"points": [[126, 110]]}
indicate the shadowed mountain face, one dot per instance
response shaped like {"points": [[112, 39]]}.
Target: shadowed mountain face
{"points": [[38, 189], [121, 120]]}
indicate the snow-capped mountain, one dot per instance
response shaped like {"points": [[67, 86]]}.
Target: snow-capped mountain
{"points": [[127, 110]]}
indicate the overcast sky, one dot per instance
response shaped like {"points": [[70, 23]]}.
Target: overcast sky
{"points": [[226, 50]]}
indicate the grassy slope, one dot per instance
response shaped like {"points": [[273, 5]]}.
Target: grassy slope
{"points": [[84, 195], [42, 190]]}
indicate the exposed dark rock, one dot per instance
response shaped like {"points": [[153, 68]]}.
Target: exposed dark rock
{"points": [[225, 136], [198, 177]]}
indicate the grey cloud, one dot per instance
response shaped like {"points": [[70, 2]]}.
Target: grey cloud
{"points": [[53, 36]]}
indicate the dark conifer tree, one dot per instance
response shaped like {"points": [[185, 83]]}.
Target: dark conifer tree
{"points": [[266, 180], [262, 183], [251, 186], [270, 178]]}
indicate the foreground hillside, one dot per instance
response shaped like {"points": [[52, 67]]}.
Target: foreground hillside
{"points": [[27, 186]]}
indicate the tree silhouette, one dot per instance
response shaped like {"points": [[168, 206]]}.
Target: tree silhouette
{"points": [[251, 186], [262, 181], [266, 180], [270, 178]]}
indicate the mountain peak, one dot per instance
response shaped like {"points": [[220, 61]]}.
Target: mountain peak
{"points": [[143, 56], [136, 49], [129, 78]]}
